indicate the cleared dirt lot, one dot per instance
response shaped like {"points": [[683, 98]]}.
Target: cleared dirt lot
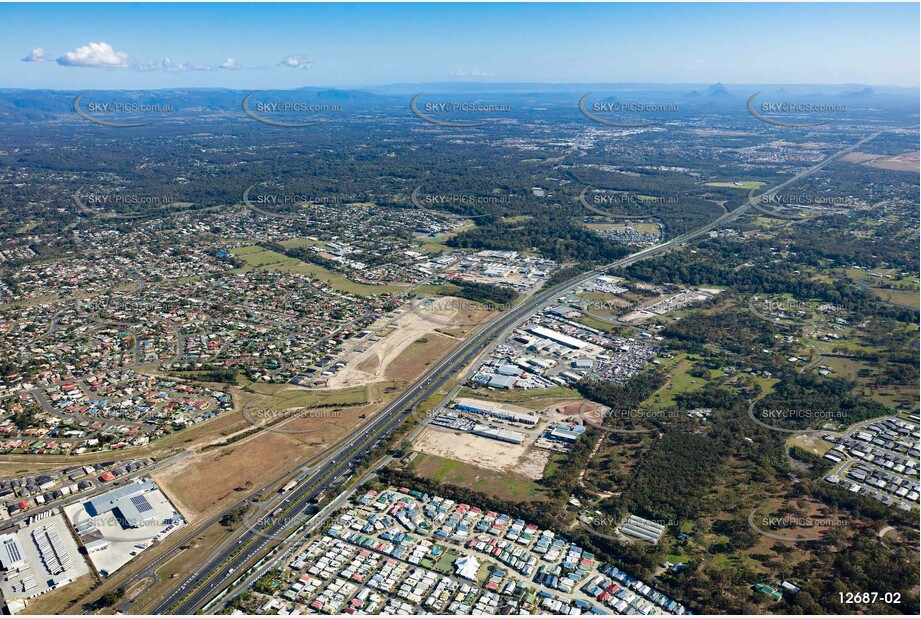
{"points": [[413, 360], [211, 480], [578, 411], [859, 157], [907, 162], [521, 459], [379, 359], [57, 601], [502, 485]]}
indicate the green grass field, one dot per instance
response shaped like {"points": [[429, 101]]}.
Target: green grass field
{"points": [[680, 381], [445, 563], [765, 221], [647, 228], [767, 384], [598, 324], [906, 298], [249, 250], [900, 397], [499, 484], [258, 258], [605, 305], [432, 246], [446, 289], [905, 292], [748, 185], [300, 243], [437, 244], [814, 445], [313, 398]]}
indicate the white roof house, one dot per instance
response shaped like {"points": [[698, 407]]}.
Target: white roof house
{"points": [[467, 567]]}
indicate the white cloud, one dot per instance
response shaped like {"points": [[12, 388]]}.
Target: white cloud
{"points": [[168, 66], [171, 67], [104, 56], [295, 61], [36, 55], [100, 55], [472, 73], [147, 66]]}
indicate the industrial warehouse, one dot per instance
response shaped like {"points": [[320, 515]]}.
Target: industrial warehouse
{"points": [[496, 412], [448, 420], [116, 526]]}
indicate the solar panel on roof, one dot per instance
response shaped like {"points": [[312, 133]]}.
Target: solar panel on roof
{"points": [[141, 504], [12, 550]]}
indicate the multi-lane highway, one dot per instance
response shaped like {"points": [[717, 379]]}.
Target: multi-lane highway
{"points": [[225, 566], [257, 539]]}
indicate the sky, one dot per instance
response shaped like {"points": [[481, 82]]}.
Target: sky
{"points": [[148, 46]]}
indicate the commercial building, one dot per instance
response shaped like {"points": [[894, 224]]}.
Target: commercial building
{"points": [[503, 435], [562, 433], [642, 529], [116, 526], [505, 382], [129, 503], [11, 554], [499, 413], [552, 335]]}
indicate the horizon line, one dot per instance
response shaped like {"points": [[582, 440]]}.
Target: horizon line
{"points": [[483, 83]]}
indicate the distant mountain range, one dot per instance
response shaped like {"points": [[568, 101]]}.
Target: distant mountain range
{"points": [[37, 104], [20, 105]]}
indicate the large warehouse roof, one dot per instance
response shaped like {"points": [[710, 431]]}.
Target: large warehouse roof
{"points": [[123, 499], [548, 333]]}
